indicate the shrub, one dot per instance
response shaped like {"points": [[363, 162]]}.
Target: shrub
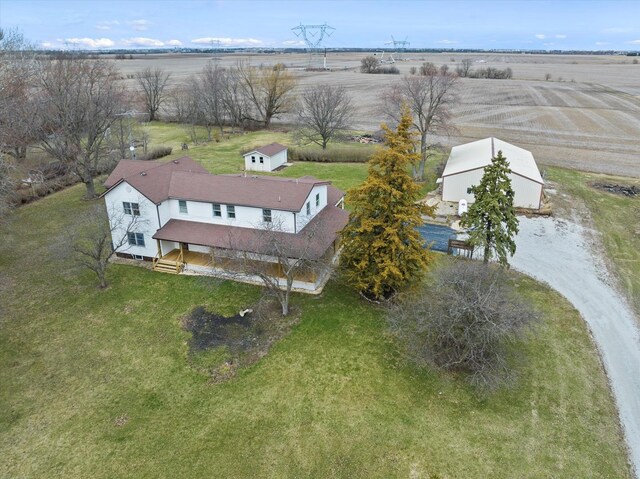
{"points": [[369, 64], [333, 154], [279, 67], [413, 70], [465, 320], [388, 70], [158, 152]]}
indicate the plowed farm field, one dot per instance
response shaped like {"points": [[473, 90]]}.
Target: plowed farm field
{"points": [[586, 116]]}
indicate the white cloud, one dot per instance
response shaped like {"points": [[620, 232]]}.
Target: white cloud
{"points": [[140, 25], [174, 43], [600, 44], [47, 45], [143, 42], [561, 36], [90, 42], [447, 42], [107, 24], [541, 36], [634, 42], [227, 42], [294, 43]]}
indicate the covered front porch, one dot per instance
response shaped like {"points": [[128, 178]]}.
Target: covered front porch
{"points": [[178, 258]]}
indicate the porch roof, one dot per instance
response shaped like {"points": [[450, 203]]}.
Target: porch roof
{"points": [[312, 242]]}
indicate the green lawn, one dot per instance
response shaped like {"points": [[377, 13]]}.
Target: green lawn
{"points": [[616, 217], [97, 383]]}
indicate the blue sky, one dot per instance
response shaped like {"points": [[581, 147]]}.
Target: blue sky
{"points": [[533, 24]]}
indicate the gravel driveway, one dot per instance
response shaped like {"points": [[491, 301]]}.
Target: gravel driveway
{"points": [[560, 253]]}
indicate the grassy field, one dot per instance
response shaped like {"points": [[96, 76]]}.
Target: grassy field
{"points": [[616, 217], [97, 383]]}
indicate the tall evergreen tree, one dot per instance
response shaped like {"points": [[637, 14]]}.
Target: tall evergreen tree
{"points": [[382, 249], [491, 219]]}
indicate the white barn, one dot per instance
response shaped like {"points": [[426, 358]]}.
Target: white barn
{"points": [[266, 158], [466, 164]]}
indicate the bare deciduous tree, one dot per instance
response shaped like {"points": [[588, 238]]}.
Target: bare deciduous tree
{"points": [[464, 320], [98, 238], [269, 91], [275, 257], [78, 103], [153, 83], [464, 68], [369, 64], [7, 187], [429, 97], [235, 101], [17, 108], [324, 110]]}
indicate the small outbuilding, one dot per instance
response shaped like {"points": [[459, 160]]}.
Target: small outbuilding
{"points": [[266, 158], [466, 164]]}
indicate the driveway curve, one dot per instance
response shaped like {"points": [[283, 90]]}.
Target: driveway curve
{"points": [[560, 253]]}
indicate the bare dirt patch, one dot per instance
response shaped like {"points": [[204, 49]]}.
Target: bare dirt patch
{"points": [[616, 189]]}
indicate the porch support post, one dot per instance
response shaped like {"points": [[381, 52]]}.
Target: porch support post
{"points": [[159, 248]]}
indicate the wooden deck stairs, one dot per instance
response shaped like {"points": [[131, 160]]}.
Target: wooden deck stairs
{"points": [[171, 263]]}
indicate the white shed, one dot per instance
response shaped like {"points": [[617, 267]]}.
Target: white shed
{"points": [[266, 158], [466, 164]]}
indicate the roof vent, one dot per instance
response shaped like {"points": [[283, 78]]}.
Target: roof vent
{"points": [[176, 161], [144, 173], [278, 198]]}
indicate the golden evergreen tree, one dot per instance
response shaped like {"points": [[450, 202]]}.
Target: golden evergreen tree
{"points": [[382, 248]]}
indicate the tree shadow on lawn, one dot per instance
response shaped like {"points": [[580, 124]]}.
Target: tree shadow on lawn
{"points": [[219, 346]]}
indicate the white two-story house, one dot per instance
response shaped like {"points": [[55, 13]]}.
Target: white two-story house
{"points": [[186, 213]]}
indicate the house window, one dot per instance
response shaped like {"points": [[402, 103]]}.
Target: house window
{"points": [[131, 208], [317, 199], [308, 208], [266, 216], [136, 239], [261, 160], [183, 206], [468, 191], [253, 159], [231, 211], [216, 210]]}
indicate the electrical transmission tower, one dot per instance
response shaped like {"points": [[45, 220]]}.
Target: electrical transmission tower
{"points": [[399, 47], [313, 35]]}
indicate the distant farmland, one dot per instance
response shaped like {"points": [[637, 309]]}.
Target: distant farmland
{"points": [[586, 117]]}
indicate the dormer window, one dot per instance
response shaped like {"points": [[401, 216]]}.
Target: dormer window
{"points": [[266, 216], [231, 211], [308, 208], [261, 159], [182, 205], [317, 200]]}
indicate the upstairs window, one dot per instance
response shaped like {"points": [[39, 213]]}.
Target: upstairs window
{"points": [[131, 208], [231, 211], [266, 216], [308, 208], [261, 160], [317, 199], [253, 159], [136, 239], [217, 212], [183, 207]]}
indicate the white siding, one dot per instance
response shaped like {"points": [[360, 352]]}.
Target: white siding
{"points": [[148, 218], [454, 188], [302, 218], [269, 163], [246, 217]]}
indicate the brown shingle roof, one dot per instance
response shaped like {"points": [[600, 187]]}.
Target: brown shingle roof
{"points": [[325, 226], [152, 178], [287, 194], [269, 150]]}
